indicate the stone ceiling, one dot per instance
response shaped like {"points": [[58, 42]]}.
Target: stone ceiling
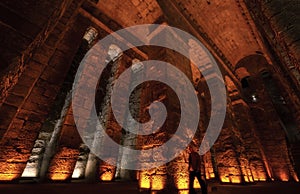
{"points": [[225, 27]]}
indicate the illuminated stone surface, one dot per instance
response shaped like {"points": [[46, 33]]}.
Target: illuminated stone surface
{"points": [[256, 45]]}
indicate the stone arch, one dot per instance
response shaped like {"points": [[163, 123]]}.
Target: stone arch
{"points": [[263, 93], [251, 65]]}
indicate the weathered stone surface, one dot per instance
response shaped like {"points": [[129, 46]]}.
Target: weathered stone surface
{"points": [[256, 47]]}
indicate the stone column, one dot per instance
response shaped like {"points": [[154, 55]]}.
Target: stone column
{"points": [[173, 175], [129, 139], [95, 167]]}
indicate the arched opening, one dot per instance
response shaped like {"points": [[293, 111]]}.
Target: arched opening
{"points": [[275, 123]]}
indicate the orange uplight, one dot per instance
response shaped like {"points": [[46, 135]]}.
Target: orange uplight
{"points": [[284, 177], [231, 179], [295, 177], [209, 173], [248, 178], [10, 172], [208, 166], [107, 176], [144, 180], [158, 182], [183, 192], [182, 182], [236, 179], [154, 182], [211, 176], [251, 179], [196, 184], [59, 176], [260, 177], [225, 179], [246, 173], [8, 177]]}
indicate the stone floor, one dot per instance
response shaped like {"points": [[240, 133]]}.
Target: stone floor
{"points": [[131, 188]]}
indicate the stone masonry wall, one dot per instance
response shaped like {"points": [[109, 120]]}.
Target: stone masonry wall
{"points": [[35, 91]]}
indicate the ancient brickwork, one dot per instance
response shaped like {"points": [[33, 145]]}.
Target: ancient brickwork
{"points": [[269, 132], [25, 27], [277, 21], [175, 172], [255, 43], [251, 155], [62, 165], [216, 28], [145, 11], [39, 85]]}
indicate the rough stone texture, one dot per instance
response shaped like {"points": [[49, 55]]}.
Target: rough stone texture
{"points": [[270, 133], [33, 165], [156, 91], [258, 56], [129, 139], [27, 25], [68, 141], [38, 99], [279, 24], [63, 164], [145, 11], [221, 19]]}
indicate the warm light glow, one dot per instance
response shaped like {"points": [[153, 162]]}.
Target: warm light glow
{"points": [[58, 177], [236, 179], [196, 184], [208, 166], [295, 177], [259, 177], [182, 179], [231, 179], [183, 192], [60, 167], [107, 176], [10, 172], [247, 174], [158, 182], [225, 179], [248, 178], [144, 180], [283, 176], [154, 182], [230, 174], [251, 179], [7, 177], [182, 182]]}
